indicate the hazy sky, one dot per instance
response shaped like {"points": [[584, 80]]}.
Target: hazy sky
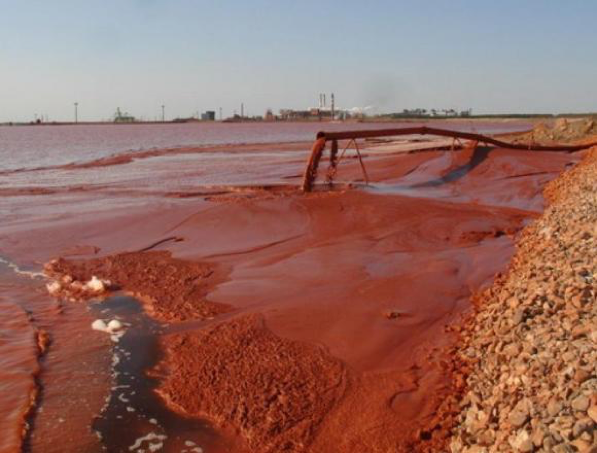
{"points": [[491, 56]]}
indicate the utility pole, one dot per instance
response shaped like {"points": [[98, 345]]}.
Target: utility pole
{"points": [[163, 113], [220, 113], [242, 111], [76, 112], [333, 106]]}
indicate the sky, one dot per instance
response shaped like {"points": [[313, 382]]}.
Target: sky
{"points": [[492, 56]]}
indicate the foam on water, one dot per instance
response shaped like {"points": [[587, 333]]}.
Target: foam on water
{"points": [[17, 270], [132, 401], [114, 328], [155, 442]]}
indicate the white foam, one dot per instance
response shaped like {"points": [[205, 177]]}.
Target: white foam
{"points": [[74, 290], [96, 285], [195, 449], [99, 325], [53, 287], [115, 325], [155, 441], [18, 270], [115, 328]]}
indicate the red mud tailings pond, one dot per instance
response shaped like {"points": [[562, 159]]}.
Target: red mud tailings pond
{"points": [[310, 322]]}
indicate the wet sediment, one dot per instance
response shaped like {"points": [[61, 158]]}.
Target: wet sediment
{"points": [[301, 354], [274, 392], [173, 289]]}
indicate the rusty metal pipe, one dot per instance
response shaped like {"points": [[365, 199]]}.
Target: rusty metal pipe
{"points": [[323, 137], [312, 164], [424, 130], [333, 161]]}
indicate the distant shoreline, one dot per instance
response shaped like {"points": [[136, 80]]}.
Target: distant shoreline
{"points": [[497, 118], [373, 119]]}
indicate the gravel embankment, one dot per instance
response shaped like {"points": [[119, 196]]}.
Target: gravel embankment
{"points": [[531, 346]]}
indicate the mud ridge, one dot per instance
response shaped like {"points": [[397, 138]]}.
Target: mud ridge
{"points": [[171, 289], [43, 342]]}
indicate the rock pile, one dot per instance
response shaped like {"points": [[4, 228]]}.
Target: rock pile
{"points": [[531, 346]]}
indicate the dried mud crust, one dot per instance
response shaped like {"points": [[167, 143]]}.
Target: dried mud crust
{"points": [[274, 392], [529, 353], [173, 289]]}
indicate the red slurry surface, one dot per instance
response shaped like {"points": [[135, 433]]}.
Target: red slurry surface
{"points": [[306, 357], [49, 344], [274, 391]]}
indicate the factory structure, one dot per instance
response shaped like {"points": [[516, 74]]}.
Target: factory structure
{"points": [[123, 117], [209, 115], [328, 111], [322, 111]]}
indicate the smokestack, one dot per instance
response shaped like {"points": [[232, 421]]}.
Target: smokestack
{"points": [[324, 103], [333, 105]]}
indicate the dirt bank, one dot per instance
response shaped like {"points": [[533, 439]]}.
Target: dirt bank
{"points": [[530, 348]]}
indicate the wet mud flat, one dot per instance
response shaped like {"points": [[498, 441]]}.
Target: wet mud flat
{"points": [[304, 322]]}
